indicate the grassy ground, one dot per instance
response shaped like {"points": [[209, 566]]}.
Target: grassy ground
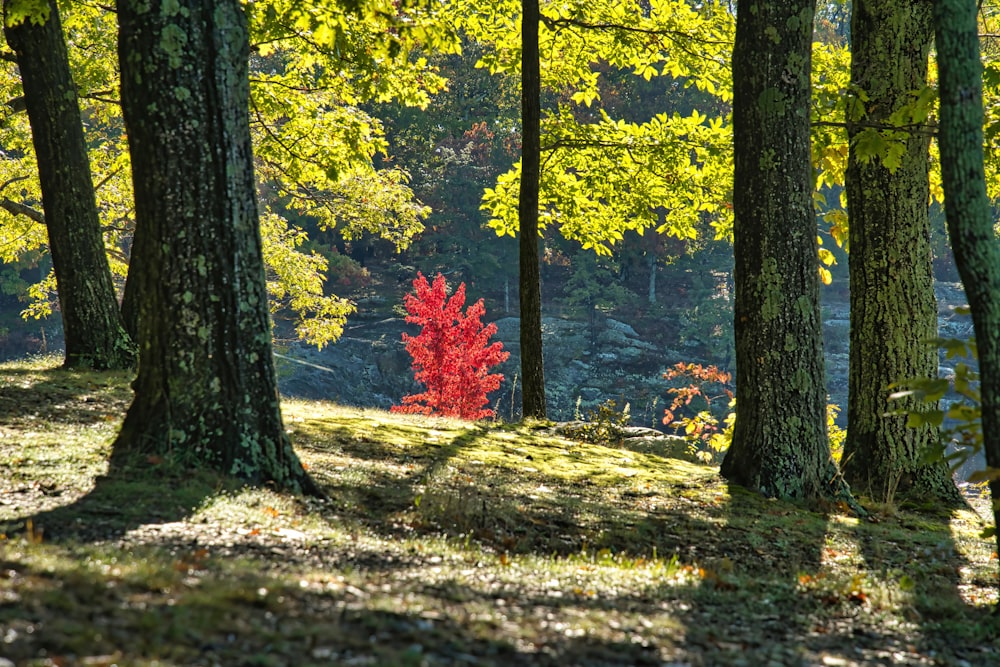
{"points": [[447, 543]]}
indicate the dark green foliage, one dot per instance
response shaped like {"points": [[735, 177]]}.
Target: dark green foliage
{"points": [[593, 289], [605, 425]]}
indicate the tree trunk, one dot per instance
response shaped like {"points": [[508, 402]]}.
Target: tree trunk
{"points": [[780, 445], [206, 389], [651, 294], [92, 325], [131, 303], [532, 367], [893, 308], [967, 206]]}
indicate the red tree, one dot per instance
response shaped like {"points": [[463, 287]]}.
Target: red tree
{"points": [[451, 355]]}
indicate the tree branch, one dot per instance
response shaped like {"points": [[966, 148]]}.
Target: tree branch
{"points": [[104, 180], [913, 128], [678, 38], [17, 208], [17, 104], [553, 24], [278, 140], [12, 181], [102, 96]]}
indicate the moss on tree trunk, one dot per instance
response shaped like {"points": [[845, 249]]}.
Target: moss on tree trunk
{"points": [[780, 445], [92, 324], [967, 206], [206, 388], [893, 308]]}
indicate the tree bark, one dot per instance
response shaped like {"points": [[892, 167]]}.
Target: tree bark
{"points": [[893, 308], [92, 325], [651, 293], [532, 366], [780, 445], [206, 389], [967, 206]]}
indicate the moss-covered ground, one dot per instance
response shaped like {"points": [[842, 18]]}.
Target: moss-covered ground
{"points": [[450, 543]]}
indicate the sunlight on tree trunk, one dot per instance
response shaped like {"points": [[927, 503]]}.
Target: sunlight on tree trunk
{"points": [[970, 218], [206, 390], [780, 445], [893, 308]]}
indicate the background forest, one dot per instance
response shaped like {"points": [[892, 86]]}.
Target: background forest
{"points": [[721, 220], [389, 143], [423, 163]]}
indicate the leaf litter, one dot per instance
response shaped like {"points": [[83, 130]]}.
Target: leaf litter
{"points": [[451, 543]]}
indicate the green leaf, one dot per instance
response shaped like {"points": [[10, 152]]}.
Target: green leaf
{"points": [[964, 413], [988, 475], [19, 11]]}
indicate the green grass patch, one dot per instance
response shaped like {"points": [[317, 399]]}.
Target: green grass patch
{"points": [[447, 543]]}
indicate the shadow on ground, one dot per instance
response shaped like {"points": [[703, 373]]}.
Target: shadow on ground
{"points": [[450, 544]]}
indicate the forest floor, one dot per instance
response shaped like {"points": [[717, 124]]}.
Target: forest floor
{"points": [[450, 543]]}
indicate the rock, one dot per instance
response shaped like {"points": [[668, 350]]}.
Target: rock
{"points": [[393, 363], [641, 432], [949, 294], [369, 366], [508, 329], [956, 326], [621, 327]]}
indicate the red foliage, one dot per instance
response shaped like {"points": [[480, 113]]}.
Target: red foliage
{"points": [[451, 356], [702, 377]]}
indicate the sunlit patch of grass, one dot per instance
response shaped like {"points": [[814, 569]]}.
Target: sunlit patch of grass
{"points": [[261, 512], [442, 538], [56, 425], [523, 452]]}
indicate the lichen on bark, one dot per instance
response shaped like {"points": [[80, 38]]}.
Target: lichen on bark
{"points": [[206, 388], [967, 206], [893, 308], [779, 446]]}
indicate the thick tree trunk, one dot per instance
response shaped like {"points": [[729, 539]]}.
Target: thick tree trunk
{"points": [[780, 445], [92, 325], [532, 367], [206, 389], [893, 308], [967, 206]]}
